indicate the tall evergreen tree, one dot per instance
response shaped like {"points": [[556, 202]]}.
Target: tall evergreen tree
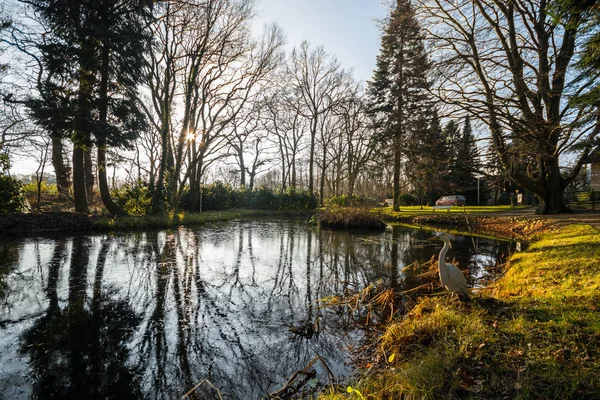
{"points": [[398, 89], [93, 58], [428, 162], [466, 164]]}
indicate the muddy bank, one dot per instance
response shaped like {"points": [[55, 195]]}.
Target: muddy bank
{"points": [[46, 222], [517, 228]]}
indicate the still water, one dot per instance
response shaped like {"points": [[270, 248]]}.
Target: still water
{"points": [[149, 315]]}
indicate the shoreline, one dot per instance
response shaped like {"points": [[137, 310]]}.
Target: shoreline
{"points": [[512, 227]]}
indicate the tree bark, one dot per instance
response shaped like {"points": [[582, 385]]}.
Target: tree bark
{"points": [[61, 170], [79, 192], [109, 204], [89, 170]]}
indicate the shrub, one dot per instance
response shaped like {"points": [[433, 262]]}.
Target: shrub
{"points": [[216, 196], [31, 188], [12, 199], [134, 199], [407, 200], [297, 200], [264, 199], [220, 196]]}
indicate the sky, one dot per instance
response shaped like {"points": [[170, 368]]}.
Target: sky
{"points": [[346, 28]]}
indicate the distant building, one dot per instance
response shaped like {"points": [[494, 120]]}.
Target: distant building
{"points": [[594, 160], [46, 177]]}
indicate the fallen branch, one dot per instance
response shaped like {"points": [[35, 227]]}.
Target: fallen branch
{"points": [[202, 382]]}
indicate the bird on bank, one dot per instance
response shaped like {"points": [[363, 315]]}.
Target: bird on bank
{"points": [[452, 279]]}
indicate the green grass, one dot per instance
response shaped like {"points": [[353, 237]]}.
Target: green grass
{"points": [[534, 335]]}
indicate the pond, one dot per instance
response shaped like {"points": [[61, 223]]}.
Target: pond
{"points": [[149, 315]]}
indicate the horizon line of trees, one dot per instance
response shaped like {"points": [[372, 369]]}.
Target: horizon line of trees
{"points": [[179, 94]]}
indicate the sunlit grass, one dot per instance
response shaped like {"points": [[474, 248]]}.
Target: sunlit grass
{"points": [[426, 210], [536, 334]]}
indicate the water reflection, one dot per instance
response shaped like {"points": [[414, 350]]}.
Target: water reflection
{"points": [[149, 315]]}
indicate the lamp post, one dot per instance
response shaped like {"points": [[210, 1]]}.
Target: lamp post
{"points": [[478, 186]]}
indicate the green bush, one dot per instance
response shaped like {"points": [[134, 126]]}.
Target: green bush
{"points": [[264, 199], [216, 196], [134, 199], [297, 200], [220, 196], [12, 199], [407, 200]]}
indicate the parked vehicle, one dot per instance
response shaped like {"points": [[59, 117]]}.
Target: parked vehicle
{"points": [[455, 200]]}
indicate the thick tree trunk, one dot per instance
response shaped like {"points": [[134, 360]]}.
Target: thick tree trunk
{"points": [[158, 205], [79, 192], [397, 160], [61, 170], [109, 204], [89, 171], [551, 197]]}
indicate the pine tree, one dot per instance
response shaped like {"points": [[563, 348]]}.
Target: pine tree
{"points": [[428, 162], [466, 164], [93, 56], [398, 89]]}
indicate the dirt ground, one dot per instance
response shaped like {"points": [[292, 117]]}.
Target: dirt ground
{"points": [[590, 217]]}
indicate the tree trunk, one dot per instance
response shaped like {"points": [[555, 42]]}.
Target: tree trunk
{"points": [[322, 183], [311, 161], [79, 192], [109, 204], [551, 198], [61, 170], [397, 156], [89, 170]]}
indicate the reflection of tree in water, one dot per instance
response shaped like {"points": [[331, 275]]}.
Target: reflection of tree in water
{"points": [[9, 260], [79, 351], [165, 310], [229, 322]]}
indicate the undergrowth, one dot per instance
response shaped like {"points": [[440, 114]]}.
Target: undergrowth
{"points": [[350, 218], [534, 335]]}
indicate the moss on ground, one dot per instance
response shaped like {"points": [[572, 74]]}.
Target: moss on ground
{"points": [[534, 335]]}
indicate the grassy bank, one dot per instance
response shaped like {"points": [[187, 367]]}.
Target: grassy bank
{"points": [[176, 219], [534, 335], [68, 222]]}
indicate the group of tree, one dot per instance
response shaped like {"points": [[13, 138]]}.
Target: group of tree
{"points": [[181, 93]]}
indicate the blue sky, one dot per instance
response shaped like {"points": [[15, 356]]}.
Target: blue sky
{"points": [[346, 28]]}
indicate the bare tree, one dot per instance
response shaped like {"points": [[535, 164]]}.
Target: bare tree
{"points": [[358, 137], [286, 126], [320, 83], [512, 65], [208, 64]]}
